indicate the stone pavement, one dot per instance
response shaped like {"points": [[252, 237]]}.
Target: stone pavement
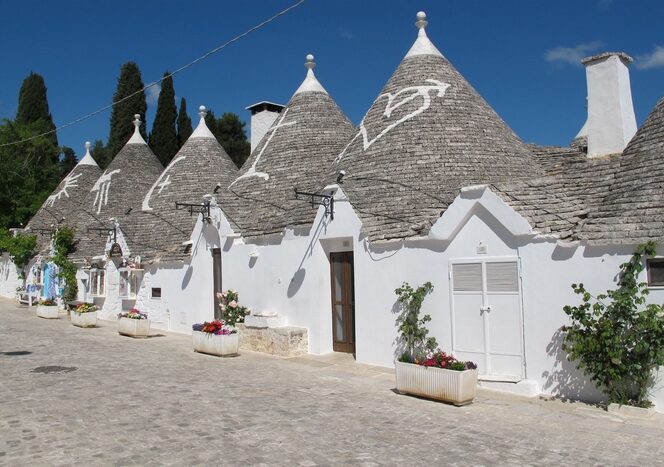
{"points": [[123, 401]]}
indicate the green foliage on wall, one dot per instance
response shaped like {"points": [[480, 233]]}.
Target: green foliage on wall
{"points": [[413, 327], [21, 248], [64, 243], [616, 338]]}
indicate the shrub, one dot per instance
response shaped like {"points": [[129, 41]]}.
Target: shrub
{"points": [[412, 327], [616, 338], [231, 310]]}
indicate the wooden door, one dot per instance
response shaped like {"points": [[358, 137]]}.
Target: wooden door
{"points": [[216, 278], [343, 302]]}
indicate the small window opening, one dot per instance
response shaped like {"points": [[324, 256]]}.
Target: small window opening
{"points": [[156, 292], [655, 268]]}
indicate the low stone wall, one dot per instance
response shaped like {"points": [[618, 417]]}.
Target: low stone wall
{"points": [[285, 341]]}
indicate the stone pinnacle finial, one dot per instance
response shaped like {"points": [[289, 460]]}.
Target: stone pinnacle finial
{"points": [[87, 146], [202, 111], [421, 22], [137, 120], [310, 65]]}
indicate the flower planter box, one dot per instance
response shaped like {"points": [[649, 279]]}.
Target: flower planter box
{"points": [[84, 320], [134, 327], [456, 387], [48, 311], [221, 345]]}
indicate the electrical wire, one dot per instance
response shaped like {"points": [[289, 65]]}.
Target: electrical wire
{"points": [[182, 68]]}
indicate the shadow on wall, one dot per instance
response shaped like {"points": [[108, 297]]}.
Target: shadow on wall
{"points": [[399, 343], [565, 380], [187, 277], [296, 282]]}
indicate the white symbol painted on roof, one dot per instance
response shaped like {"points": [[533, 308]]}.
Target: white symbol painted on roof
{"points": [[252, 170], [71, 181], [159, 183], [102, 185], [413, 92]]}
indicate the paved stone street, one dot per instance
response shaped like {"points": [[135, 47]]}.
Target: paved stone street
{"points": [[123, 401]]}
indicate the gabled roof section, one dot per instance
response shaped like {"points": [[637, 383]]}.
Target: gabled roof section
{"points": [[67, 199], [120, 187], [633, 210], [296, 152], [158, 229], [427, 134]]}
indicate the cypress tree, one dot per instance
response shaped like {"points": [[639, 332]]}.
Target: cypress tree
{"points": [[184, 124], [163, 137], [101, 154], [68, 161], [33, 105], [231, 135], [123, 112]]}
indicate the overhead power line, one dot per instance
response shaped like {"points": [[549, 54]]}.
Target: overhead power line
{"points": [[182, 68]]}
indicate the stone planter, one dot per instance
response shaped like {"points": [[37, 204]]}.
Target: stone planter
{"points": [[456, 387], [631, 411], [221, 345], [48, 312], [134, 327], [84, 320]]}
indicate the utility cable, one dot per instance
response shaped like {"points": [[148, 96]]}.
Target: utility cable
{"points": [[182, 68]]}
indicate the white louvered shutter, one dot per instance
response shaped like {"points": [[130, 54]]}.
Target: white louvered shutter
{"points": [[502, 277], [467, 277]]}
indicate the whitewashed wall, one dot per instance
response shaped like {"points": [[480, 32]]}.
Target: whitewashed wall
{"points": [[9, 279]]}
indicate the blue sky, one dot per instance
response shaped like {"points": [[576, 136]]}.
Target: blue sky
{"points": [[522, 56]]}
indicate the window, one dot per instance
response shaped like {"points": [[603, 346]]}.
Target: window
{"points": [[156, 293], [655, 268], [130, 281], [97, 282]]}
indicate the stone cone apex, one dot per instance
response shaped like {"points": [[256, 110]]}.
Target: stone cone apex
{"points": [[202, 130], [310, 83], [136, 138], [87, 158], [422, 45]]}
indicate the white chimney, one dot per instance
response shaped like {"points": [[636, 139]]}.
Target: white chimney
{"points": [[611, 122], [263, 115]]}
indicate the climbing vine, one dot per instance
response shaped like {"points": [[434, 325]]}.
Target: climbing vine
{"points": [[63, 241], [616, 338], [413, 327], [21, 248]]}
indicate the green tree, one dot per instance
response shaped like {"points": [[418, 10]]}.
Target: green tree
{"points": [[122, 116], [184, 124], [68, 161], [33, 105], [21, 248], [163, 137], [29, 171], [101, 154], [616, 337]]}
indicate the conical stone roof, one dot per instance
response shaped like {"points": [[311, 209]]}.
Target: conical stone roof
{"points": [[633, 210], [157, 230], [121, 186], [427, 134], [61, 208], [296, 152]]}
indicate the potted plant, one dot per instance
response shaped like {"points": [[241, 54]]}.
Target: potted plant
{"points": [[420, 370], [231, 310], [133, 323], [215, 338], [47, 308], [84, 316]]}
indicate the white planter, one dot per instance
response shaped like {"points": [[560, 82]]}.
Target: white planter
{"points": [[134, 327], [84, 320], [221, 345], [48, 312], [456, 387]]}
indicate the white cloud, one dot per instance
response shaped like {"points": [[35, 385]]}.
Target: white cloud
{"points": [[152, 94], [655, 59], [571, 55]]}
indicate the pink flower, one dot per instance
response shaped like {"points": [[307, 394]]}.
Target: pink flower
{"points": [[220, 296], [233, 304], [224, 294]]}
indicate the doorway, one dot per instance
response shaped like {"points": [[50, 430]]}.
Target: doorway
{"points": [[486, 316], [216, 279], [343, 302]]}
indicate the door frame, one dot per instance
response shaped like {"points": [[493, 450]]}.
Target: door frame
{"points": [[347, 282], [484, 260], [217, 276]]}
